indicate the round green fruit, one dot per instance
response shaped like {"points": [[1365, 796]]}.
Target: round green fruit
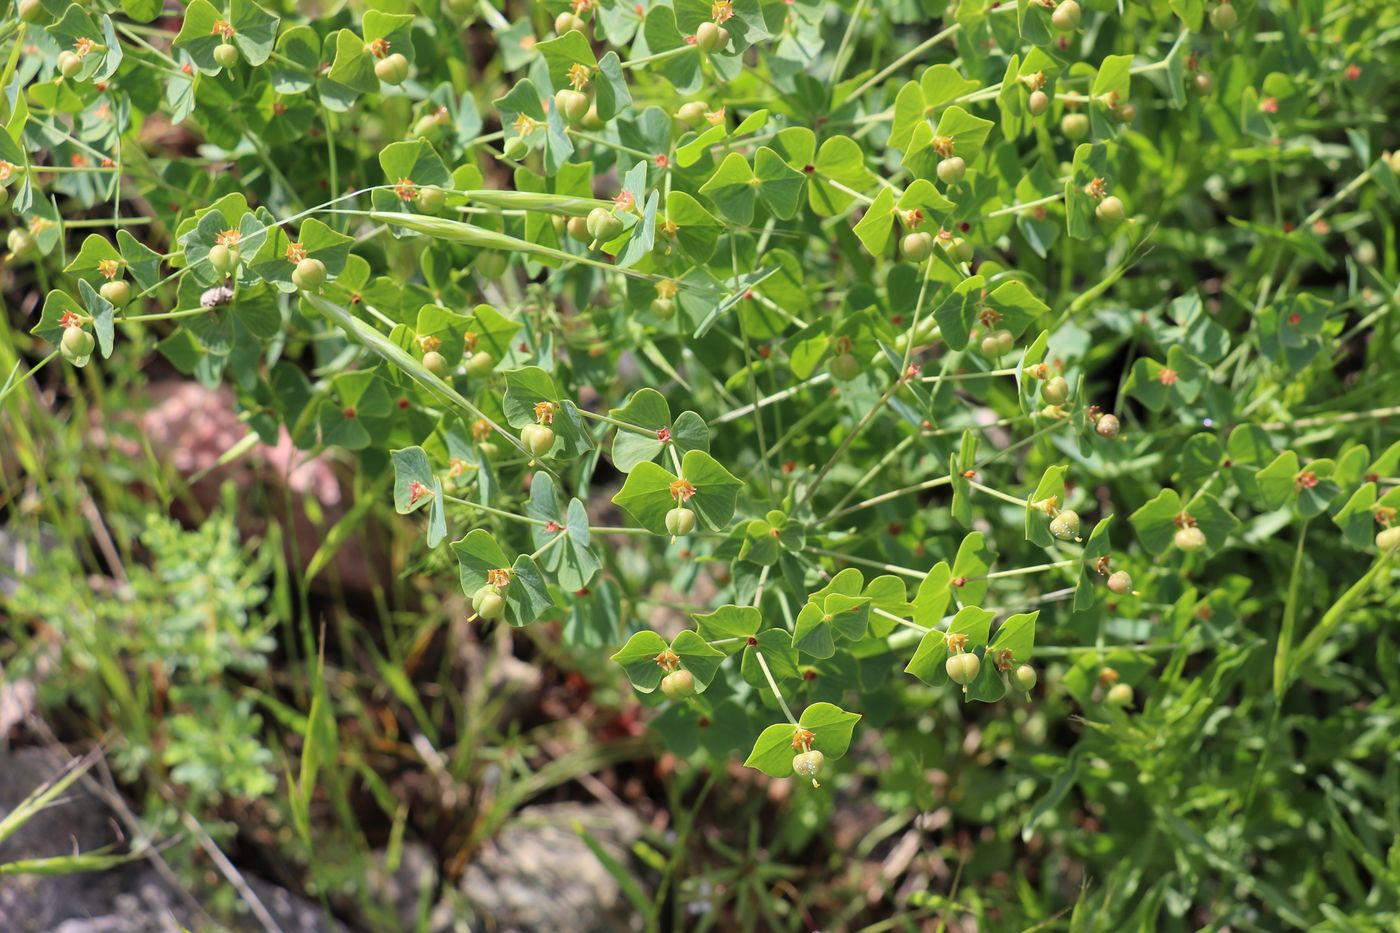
{"points": [[577, 228], [808, 765], [960, 249], [1075, 126], [678, 685], [76, 344], [118, 292], [680, 521], [434, 362], [1065, 525], [479, 364], [31, 11], [309, 274], [222, 259], [603, 224], [572, 105], [20, 241], [429, 199], [1107, 426], [1389, 538], [1055, 391], [1026, 677], [916, 246], [692, 113], [537, 438], [392, 68], [1120, 695], [226, 54], [515, 149], [952, 170], [1066, 16], [1189, 538], [1224, 17], [69, 64], [963, 668], [1038, 102], [1120, 582], [489, 605], [844, 367], [567, 22], [1110, 210], [708, 37], [663, 308]]}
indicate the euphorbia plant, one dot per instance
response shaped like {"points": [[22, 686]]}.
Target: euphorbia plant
{"points": [[660, 257]]}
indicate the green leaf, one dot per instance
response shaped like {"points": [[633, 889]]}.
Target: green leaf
{"points": [[697, 657], [970, 566], [840, 160], [527, 596], [733, 188], [1048, 498], [638, 659], [931, 657], [967, 132], [1155, 521], [874, 228], [780, 185], [731, 624], [563, 53]]}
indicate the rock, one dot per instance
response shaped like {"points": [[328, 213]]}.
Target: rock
{"points": [[131, 898], [399, 892], [537, 875]]}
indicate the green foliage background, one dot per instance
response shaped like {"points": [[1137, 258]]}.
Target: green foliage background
{"points": [[1238, 324]]}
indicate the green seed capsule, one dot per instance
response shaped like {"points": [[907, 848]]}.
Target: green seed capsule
{"points": [[434, 362], [118, 292], [1110, 210], [1065, 525], [392, 69], [69, 64], [429, 199], [1075, 126], [808, 765], [603, 224], [1189, 538], [844, 367], [1055, 391], [680, 521], [1224, 17], [1120, 695], [678, 685], [76, 344], [709, 37], [480, 364], [1066, 16], [309, 274], [1120, 582], [916, 246], [963, 668], [571, 104], [952, 170], [537, 438], [226, 54], [1026, 677]]}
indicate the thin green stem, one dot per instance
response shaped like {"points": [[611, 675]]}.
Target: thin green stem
{"points": [[997, 493], [878, 565], [773, 685]]}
